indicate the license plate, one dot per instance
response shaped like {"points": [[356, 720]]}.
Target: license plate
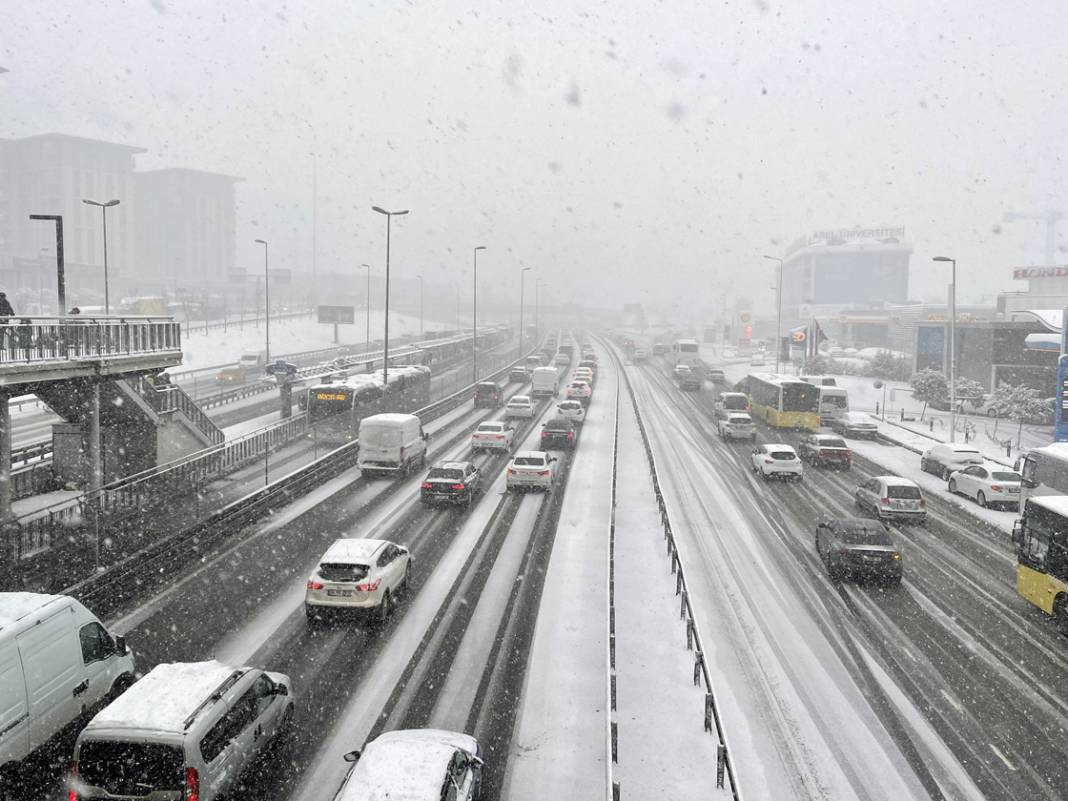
{"points": [[1014, 490], [340, 593], [871, 558]]}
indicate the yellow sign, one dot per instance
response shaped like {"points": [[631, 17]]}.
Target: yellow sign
{"points": [[799, 336], [330, 396]]}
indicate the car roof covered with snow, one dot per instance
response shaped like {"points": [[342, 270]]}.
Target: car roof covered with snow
{"points": [[896, 481], [1058, 504], [407, 765], [14, 606], [352, 550]]}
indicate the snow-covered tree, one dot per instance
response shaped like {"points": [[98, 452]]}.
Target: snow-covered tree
{"points": [[929, 386]]}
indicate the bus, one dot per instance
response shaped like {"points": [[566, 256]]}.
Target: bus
{"points": [[1044, 471], [1041, 540], [783, 402], [336, 408], [686, 351]]}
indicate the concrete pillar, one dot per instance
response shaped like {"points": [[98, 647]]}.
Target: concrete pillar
{"points": [[5, 459], [96, 476], [285, 396]]}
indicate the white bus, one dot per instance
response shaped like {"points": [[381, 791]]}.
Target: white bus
{"points": [[1044, 471], [685, 351]]}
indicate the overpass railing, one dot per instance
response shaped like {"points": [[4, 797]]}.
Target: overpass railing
{"points": [[26, 340]]}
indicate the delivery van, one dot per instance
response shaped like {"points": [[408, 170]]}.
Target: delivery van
{"points": [[391, 444], [544, 381], [58, 665]]}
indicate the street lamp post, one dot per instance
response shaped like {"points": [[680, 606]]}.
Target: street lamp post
{"points": [[267, 294], [522, 280], [474, 316], [537, 310], [61, 285], [104, 211], [385, 339], [952, 347], [420, 277], [367, 309], [778, 315]]}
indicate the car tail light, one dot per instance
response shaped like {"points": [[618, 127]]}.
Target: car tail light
{"points": [[769, 461], [544, 434], [368, 586], [923, 502], [498, 436], [884, 501], [314, 585], [995, 488], [426, 485], [458, 487], [72, 794], [510, 471], [543, 472], [192, 785], [570, 434]]}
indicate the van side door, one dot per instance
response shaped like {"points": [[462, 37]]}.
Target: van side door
{"points": [[98, 656], [14, 706], [55, 676]]}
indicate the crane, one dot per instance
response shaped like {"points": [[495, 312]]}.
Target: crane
{"points": [[1051, 218]]}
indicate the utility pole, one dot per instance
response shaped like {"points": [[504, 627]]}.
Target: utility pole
{"points": [[778, 315], [474, 315], [385, 341]]}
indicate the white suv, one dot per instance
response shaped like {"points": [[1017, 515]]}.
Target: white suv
{"points": [[519, 406], [737, 425], [531, 470], [776, 459], [357, 575]]}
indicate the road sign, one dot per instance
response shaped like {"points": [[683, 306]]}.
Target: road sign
{"points": [[798, 337], [282, 368], [345, 315]]}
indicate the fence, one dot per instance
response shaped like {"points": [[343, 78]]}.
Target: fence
{"points": [[31, 340], [724, 767], [168, 398]]}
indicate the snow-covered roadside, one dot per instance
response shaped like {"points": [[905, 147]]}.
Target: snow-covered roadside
{"points": [[559, 747]]}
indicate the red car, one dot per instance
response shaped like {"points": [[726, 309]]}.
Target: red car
{"points": [[825, 450]]}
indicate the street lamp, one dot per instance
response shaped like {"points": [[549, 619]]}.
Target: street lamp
{"points": [[522, 279], [952, 348], [420, 277], [778, 315], [538, 283], [104, 212], [367, 309], [267, 294], [474, 316], [385, 340]]}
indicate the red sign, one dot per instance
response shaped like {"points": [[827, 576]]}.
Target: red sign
{"points": [[1024, 273], [747, 331]]}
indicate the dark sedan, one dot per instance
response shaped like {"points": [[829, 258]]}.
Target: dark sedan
{"points": [[451, 482], [855, 424], [825, 450], [559, 433], [855, 547]]}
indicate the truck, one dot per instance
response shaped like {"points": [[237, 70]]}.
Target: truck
{"points": [[250, 365], [544, 382]]}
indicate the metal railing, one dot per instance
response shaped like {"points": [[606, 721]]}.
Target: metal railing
{"points": [[169, 398], [47, 339]]}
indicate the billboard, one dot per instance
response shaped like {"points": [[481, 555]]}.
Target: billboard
{"points": [[344, 315]]}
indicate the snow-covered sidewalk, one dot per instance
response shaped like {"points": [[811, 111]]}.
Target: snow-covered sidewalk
{"points": [[654, 671]]}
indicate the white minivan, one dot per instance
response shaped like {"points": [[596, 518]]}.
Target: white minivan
{"points": [[391, 444], [57, 664], [544, 382]]}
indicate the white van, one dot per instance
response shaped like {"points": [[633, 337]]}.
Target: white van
{"points": [[544, 381], [834, 402], [185, 731], [391, 444], [57, 664]]}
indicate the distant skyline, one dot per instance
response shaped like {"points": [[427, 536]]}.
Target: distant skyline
{"points": [[629, 152]]}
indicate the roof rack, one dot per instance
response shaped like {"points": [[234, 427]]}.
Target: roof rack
{"points": [[217, 695]]}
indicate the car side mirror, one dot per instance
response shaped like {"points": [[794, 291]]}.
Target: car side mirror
{"points": [[352, 756], [426, 437], [281, 689], [121, 647]]}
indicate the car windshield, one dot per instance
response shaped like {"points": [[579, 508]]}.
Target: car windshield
{"points": [[491, 428], [451, 473], [342, 571], [529, 461], [903, 491]]}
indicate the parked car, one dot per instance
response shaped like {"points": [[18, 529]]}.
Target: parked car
{"points": [[855, 424], [891, 497], [736, 425], [559, 433], [853, 547], [573, 409], [518, 375], [777, 460], [57, 661], [825, 450], [493, 435], [415, 764], [184, 731], [360, 576], [987, 484], [488, 395], [578, 390], [451, 482], [947, 457], [531, 470], [519, 406]]}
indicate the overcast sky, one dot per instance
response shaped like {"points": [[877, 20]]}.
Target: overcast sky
{"points": [[630, 151]]}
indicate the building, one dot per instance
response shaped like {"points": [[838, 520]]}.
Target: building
{"points": [[1047, 288], [835, 271]]}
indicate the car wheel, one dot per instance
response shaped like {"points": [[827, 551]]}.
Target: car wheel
{"points": [[945, 473], [952, 487], [385, 609], [1060, 615], [408, 576], [923, 465], [980, 498]]}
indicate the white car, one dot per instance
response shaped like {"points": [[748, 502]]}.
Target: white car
{"points": [[578, 390], [415, 764], [757, 360], [987, 484], [519, 406], [777, 460], [891, 497], [583, 374], [358, 575], [737, 425], [562, 360], [572, 409], [641, 355], [531, 470], [948, 457], [493, 435]]}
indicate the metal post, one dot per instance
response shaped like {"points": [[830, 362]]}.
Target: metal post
{"points": [[385, 343], [5, 458], [522, 281], [367, 309], [778, 315], [61, 286], [952, 347], [474, 317], [420, 306], [96, 479]]}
